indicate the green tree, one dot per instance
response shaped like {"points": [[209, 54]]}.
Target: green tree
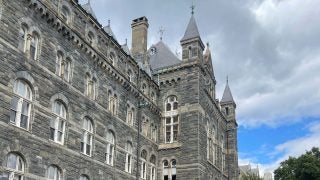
{"points": [[304, 167]]}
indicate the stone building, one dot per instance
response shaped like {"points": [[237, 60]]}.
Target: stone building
{"points": [[76, 104]]}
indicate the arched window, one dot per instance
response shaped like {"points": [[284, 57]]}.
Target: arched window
{"points": [[34, 45], [87, 136], [14, 168], [130, 75], [144, 155], [169, 170], [171, 103], [112, 58], [227, 110], [84, 177], [145, 126], [110, 148], [173, 169], [171, 119], [154, 131], [153, 167], [63, 66], [153, 96], [91, 38], [91, 86], [57, 123], [23, 35], [129, 150], [54, 173], [189, 52], [130, 114], [113, 102], [21, 104], [65, 13], [144, 89]]}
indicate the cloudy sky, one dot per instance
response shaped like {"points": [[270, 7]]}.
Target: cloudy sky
{"points": [[270, 49]]}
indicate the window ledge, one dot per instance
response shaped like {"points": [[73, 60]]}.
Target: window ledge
{"points": [[170, 145]]}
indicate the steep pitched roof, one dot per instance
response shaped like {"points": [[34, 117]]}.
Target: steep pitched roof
{"points": [[109, 31], [126, 48], [161, 56], [87, 7], [227, 95], [192, 30]]}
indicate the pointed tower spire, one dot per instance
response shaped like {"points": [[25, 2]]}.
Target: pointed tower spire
{"points": [[227, 95]]}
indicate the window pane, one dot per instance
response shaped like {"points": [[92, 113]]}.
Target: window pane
{"points": [[32, 51], [24, 121], [12, 161], [17, 177], [61, 125], [14, 103], [5, 176], [175, 119], [52, 133], [25, 108], [168, 120], [82, 147], [88, 149], [175, 105], [168, 107], [13, 116]]}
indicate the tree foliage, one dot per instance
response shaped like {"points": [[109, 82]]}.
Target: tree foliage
{"points": [[304, 167]]}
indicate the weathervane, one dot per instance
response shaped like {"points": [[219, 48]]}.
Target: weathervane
{"points": [[192, 8], [161, 31]]}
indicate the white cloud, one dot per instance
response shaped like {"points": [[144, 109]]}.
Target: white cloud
{"points": [[293, 148]]}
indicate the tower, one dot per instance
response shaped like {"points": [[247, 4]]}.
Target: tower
{"points": [[228, 107], [191, 43]]}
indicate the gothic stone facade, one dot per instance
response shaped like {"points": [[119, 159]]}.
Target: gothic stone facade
{"points": [[75, 104]]}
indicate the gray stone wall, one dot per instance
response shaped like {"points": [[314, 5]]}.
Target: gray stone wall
{"points": [[38, 152]]}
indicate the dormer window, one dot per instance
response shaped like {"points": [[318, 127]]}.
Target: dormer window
{"points": [[65, 14], [153, 51], [91, 38], [112, 58], [227, 110]]}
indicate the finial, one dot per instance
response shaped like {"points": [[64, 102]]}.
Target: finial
{"points": [[192, 8], [89, 1], [227, 80], [208, 45], [126, 41], [161, 31], [109, 22]]}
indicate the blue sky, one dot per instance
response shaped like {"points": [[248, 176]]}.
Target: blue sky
{"points": [[270, 49]]}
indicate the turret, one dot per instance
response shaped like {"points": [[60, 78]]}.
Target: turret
{"points": [[228, 107], [192, 45]]}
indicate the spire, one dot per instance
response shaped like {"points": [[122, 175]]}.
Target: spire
{"points": [[192, 30], [227, 95]]}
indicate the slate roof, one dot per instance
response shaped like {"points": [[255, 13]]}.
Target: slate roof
{"points": [[109, 31], [192, 30], [87, 7], [227, 95], [126, 49], [162, 56]]}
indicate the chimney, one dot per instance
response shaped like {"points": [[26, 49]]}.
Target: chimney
{"points": [[139, 36]]}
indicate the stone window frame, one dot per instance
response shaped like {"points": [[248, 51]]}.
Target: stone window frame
{"points": [[58, 172], [129, 156], [85, 134], [112, 57], [171, 168], [21, 99], [153, 169], [113, 102], [145, 88], [31, 40], [154, 131], [59, 98], [84, 177], [131, 114], [64, 65], [171, 119], [143, 168], [20, 165], [110, 147], [91, 83], [69, 18], [145, 129]]}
